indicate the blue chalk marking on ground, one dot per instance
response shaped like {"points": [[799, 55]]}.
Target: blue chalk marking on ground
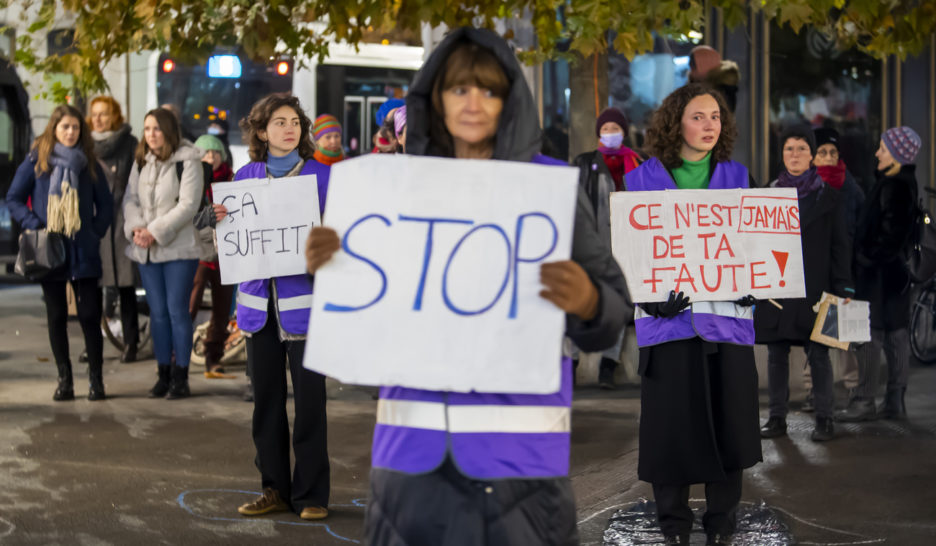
{"points": [[355, 503]]}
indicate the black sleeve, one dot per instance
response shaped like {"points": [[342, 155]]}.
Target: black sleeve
{"points": [[842, 283], [595, 257]]}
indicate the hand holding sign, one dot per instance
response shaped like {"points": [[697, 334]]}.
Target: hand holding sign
{"points": [[321, 245]]}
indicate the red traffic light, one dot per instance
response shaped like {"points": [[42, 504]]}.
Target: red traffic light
{"points": [[168, 65], [282, 68]]}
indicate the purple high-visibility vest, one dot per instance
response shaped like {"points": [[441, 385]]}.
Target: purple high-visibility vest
{"points": [[715, 321], [294, 292], [488, 435]]}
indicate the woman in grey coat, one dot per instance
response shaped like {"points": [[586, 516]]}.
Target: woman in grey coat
{"points": [[114, 147]]}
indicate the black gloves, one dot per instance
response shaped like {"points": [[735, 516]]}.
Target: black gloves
{"points": [[746, 301], [676, 304]]}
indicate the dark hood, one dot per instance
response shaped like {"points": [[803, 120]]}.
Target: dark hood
{"points": [[518, 132]]}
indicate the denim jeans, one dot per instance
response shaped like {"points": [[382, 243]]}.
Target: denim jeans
{"points": [[168, 288], [778, 377]]}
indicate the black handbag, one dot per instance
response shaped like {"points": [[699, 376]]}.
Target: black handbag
{"points": [[40, 253], [920, 254]]}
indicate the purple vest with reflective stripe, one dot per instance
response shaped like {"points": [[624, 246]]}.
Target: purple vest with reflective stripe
{"points": [[293, 293], [719, 322], [488, 435]]}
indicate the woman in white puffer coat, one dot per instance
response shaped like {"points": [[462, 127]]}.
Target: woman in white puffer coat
{"points": [[159, 206]]}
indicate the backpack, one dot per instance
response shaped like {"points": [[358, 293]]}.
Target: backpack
{"points": [[207, 178]]}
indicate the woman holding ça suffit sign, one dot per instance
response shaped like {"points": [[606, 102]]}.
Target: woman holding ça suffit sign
{"points": [[698, 392], [275, 315], [485, 479]]}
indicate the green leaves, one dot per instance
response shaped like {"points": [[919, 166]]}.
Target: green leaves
{"points": [[191, 29]]}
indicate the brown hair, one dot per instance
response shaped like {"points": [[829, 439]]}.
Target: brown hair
{"points": [[117, 117], [467, 64], [259, 117], [169, 125], [664, 136], [45, 143]]}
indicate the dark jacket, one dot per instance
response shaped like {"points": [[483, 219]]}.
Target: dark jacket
{"points": [[884, 231], [853, 197], [116, 154], [95, 208], [826, 264]]}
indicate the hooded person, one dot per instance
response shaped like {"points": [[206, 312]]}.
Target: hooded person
{"points": [[833, 171], [827, 266], [506, 482], [706, 66], [601, 172], [884, 233]]}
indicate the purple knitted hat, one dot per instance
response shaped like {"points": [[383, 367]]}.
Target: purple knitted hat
{"points": [[903, 143]]}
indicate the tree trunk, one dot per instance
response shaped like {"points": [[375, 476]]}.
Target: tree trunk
{"points": [[585, 102]]}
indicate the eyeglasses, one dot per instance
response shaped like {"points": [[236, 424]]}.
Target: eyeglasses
{"points": [[830, 153]]}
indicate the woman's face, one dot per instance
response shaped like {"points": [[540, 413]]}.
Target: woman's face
{"points": [[827, 155], [153, 135], [797, 156], [282, 132], [101, 118], [609, 128], [330, 142], [213, 158], [701, 124], [884, 157], [471, 113], [68, 131]]}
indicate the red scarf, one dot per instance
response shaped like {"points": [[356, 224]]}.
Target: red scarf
{"points": [[329, 160], [222, 173], [620, 161], [833, 175]]}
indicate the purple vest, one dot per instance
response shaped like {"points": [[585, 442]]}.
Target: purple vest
{"points": [[715, 321], [488, 435], [293, 293]]}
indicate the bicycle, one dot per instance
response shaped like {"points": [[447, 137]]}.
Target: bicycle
{"points": [[923, 317]]}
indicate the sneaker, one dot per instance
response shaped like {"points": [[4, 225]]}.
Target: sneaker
{"points": [[266, 503], [773, 428], [824, 431], [314, 512]]}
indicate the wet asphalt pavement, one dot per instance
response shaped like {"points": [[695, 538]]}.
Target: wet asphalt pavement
{"points": [[133, 470]]}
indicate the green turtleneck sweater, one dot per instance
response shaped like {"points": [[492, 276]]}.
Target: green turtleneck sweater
{"points": [[693, 175]]}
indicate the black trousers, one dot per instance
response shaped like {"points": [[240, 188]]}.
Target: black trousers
{"points": [[446, 507], [721, 500], [268, 356], [129, 321], [89, 303]]}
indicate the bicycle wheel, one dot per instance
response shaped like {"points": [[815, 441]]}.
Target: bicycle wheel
{"points": [[923, 326]]}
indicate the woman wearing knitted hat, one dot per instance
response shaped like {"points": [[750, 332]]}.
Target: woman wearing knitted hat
{"points": [[601, 172], [827, 266], [883, 233], [327, 135], [209, 272], [275, 315]]}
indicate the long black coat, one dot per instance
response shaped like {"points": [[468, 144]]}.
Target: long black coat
{"points": [[883, 233], [116, 155], [826, 263]]}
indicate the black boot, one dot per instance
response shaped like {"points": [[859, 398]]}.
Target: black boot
{"points": [[162, 384], [894, 407], [824, 431], [65, 389], [179, 388], [96, 381], [858, 410], [773, 428]]}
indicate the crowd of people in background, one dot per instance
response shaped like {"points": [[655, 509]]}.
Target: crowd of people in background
{"points": [[132, 213]]}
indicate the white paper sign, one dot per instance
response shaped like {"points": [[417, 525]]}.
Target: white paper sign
{"points": [[854, 321], [437, 283], [266, 228], [714, 245]]}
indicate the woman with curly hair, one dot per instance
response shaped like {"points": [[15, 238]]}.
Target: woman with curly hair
{"points": [[274, 313], [698, 393]]}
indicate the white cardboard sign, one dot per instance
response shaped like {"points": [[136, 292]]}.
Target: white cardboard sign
{"points": [[437, 283], [714, 245], [265, 231]]}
